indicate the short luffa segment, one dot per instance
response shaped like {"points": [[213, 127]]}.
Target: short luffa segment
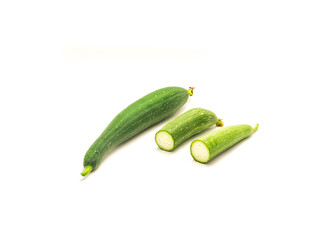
{"points": [[220, 140], [138, 116], [188, 124]]}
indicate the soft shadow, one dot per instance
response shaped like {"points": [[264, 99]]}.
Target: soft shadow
{"points": [[83, 178]]}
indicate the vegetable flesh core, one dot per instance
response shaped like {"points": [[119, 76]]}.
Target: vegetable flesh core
{"points": [[200, 151], [164, 140]]}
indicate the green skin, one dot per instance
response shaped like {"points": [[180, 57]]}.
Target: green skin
{"points": [[220, 140], [188, 124], [138, 116]]}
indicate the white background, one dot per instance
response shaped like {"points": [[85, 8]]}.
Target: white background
{"points": [[68, 67]]}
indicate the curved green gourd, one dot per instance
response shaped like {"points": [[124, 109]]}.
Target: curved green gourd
{"points": [[138, 116]]}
